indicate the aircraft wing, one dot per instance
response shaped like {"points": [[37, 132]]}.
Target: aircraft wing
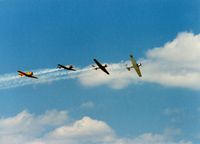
{"points": [[61, 66], [33, 77], [133, 61], [72, 69], [137, 69], [103, 69], [98, 63], [22, 73]]}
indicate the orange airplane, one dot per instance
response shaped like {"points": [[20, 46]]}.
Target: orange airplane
{"points": [[27, 74]]}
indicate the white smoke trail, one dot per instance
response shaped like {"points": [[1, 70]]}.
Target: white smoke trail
{"points": [[47, 75]]}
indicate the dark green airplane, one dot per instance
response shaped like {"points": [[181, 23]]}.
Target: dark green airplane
{"points": [[100, 66], [66, 67]]}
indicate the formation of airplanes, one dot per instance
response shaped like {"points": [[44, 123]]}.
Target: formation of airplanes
{"points": [[99, 65]]}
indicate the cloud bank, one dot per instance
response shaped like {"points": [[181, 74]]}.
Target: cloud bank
{"points": [[175, 64], [53, 127]]}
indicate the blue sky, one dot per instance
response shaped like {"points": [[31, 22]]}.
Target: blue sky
{"points": [[40, 34]]}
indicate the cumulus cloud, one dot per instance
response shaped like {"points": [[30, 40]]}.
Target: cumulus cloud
{"points": [[85, 130], [26, 126], [52, 127], [177, 63], [31, 123]]}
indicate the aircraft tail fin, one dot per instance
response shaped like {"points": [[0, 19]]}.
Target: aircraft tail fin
{"points": [[128, 68]]}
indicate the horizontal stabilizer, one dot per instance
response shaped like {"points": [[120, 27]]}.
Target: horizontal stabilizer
{"points": [[128, 68]]}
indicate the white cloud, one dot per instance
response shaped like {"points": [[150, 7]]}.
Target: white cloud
{"points": [[85, 130], [25, 122], [149, 138], [177, 63], [25, 126], [51, 128]]}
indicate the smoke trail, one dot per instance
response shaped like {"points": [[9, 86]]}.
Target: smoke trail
{"points": [[46, 75]]}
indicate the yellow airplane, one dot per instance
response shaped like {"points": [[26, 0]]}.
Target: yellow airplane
{"points": [[27, 74], [135, 65]]}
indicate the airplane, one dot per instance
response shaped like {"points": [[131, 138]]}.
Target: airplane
{"points": [[135, 65], [27, 74], [65, 67], [100, 66]]}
